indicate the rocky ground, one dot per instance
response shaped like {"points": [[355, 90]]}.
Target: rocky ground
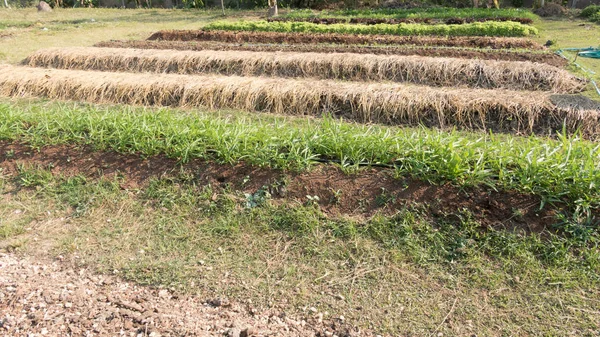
{"points": [[55, 299]]}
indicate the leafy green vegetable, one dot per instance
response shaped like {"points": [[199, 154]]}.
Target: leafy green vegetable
{"points": [[489, 28]]}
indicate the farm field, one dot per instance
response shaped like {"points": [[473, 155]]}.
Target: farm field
{"points": [[289, 178]]}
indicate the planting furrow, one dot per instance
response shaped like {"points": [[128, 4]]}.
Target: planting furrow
{"points": [[307, 38], [359, 67], [498, 110], [471, 53]]}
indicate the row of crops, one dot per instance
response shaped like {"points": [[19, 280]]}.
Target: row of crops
{"points": [[373, 21], [416, 13], [488, 28]]}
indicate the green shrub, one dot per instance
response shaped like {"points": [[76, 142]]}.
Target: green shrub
{"points": [[590, 11], [489, 28]]}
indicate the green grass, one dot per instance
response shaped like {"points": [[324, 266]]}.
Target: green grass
{"points": [[180, 233], [531, 164], [489, 28], [87, 26], [573, 33], [421, 13]]}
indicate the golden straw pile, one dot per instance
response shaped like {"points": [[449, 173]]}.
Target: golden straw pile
{"points": [[432, 71], [498, 110]]}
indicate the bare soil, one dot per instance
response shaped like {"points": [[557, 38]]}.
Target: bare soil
{"points": [[361, 195], [306, 38], [56, 299], [548, 58]]}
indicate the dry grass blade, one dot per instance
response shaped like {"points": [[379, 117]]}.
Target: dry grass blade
{"points": [[451, 72], [460, 52], [498, 110]]}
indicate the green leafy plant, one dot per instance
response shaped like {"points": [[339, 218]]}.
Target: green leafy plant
{"points": [[535, 165], [258, 198], [421, 13], [489, 28]]}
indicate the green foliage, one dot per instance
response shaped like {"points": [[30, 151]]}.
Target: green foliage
{"points": [[489, 28], [531, 165], [33, 177], [420, 13], [590, 11]]}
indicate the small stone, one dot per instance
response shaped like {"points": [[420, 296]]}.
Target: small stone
{"points": [[234, 332], [249, 331], [312, 309]]}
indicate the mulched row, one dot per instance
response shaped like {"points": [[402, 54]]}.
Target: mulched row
{"points": [[548, 58]]}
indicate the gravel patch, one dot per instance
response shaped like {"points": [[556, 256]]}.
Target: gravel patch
{"points": [[55, 299]]}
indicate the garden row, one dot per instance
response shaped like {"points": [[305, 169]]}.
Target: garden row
{"points": [[528, 164], [398, 50], [490, 28], [374, 21], [499, 43], [438, 13]]}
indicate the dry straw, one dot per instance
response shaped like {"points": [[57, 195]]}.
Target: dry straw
{"points": [[468, 53], [431, 71], [498, 110]]}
